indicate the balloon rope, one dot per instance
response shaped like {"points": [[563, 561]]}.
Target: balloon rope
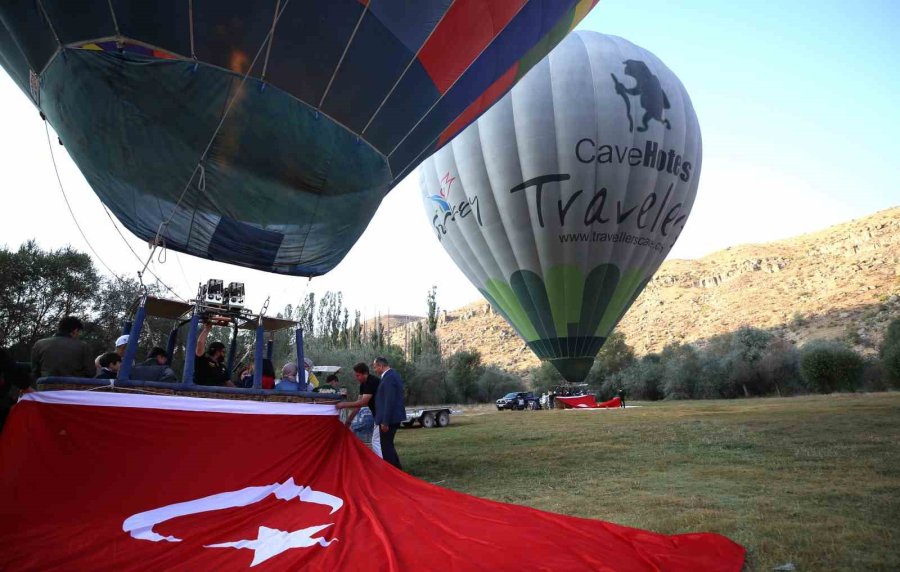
{"points": [[69, 206], [191, 24], [138, 257], [343, 55], [231, 101], [271, 39], [115, 23]]}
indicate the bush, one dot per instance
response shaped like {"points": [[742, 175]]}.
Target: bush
{"points": [[874, 378], [890, 353], [828, 366], [545, 377], [463, 371], [681, 370], [641, 380], [779, 368], [425, 383], [713, 380], [495, 383]]}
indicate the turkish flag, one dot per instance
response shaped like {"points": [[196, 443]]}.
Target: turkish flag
{"points": [[111, 481], [588, 402]]}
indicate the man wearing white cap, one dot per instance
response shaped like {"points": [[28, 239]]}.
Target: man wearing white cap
{"points": [[121, 344]]}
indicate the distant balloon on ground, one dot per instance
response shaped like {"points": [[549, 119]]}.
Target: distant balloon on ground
{"points": [[565, 197]]}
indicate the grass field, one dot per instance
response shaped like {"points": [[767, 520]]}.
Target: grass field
{"points": [[814, 481]]}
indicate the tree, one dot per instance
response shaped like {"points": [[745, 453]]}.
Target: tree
{"points": [[495, 383], [779, 366], [545, 377], [748, 346], [890, 352], [306, 315], [38, 288], [431, 300], [464, 368], [681, 367], [828, 366]]}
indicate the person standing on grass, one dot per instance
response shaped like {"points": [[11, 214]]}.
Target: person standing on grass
{"points": [[368, 389], [389, 409]]}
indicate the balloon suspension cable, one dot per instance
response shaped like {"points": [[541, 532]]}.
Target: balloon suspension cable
{"points": [[69, 206], [138, 258], [265, 307], [235, 96]]}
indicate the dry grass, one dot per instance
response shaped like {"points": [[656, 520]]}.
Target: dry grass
{"points": [[812, 480]]}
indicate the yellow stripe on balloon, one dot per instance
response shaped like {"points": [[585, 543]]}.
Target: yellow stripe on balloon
{"points": [[581, 10]]}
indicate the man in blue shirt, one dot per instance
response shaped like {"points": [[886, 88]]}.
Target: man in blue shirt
{"points": [[389, 409]]}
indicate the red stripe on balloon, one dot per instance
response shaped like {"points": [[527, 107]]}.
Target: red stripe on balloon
{"points": [[484, 101], [464, 32]]}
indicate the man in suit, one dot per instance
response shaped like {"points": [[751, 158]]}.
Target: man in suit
{"points": [[389, 409]]}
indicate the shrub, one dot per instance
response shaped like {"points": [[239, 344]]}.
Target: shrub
{"points": [[681, 369], [545, 377], [495, 383], [641, 380], [463, 370], [890, 353], [779, 368], [874, 377], [425, 383], [828, 366], [713, 380]]}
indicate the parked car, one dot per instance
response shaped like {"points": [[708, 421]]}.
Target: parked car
{"points": [[518, 400]]}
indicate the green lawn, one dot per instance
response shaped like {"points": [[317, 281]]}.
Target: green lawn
{"points": [[810, 480]]}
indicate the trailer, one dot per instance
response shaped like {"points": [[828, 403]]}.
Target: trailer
{"points": [[428, 417]]}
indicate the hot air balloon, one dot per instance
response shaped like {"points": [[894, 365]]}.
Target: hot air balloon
{"points": [[265, 133], [562, 200]]}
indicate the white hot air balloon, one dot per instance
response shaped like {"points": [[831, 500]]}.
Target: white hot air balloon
{"points": [[564, 198]]}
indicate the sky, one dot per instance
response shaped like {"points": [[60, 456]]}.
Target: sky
{"points": [[798, 107]]}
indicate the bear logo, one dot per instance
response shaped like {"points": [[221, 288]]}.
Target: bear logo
{"points": [[652, 97]]}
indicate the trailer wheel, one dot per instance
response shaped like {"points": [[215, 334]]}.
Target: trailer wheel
{"points": [[443, 419], [427, 420]]}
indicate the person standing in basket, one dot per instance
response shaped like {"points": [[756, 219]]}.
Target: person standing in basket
{"points": [[389, 409]]}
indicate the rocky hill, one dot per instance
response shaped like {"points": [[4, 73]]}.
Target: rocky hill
{"points": [[839, 283]]}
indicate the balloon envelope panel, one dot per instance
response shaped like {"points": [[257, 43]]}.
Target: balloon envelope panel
{"points": [[345, 98], [563, 199]]}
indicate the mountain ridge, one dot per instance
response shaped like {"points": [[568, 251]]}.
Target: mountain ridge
{"points": [[842, 282]]}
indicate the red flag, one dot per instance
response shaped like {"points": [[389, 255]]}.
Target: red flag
{"points": [[588, 402], [111, 481]]}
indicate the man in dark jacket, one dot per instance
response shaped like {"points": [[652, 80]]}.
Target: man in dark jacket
{"points": [[389, 409], [63, 355]]}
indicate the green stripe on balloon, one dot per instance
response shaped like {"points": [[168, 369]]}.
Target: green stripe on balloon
{"points": [[599, 293], [565, 286], [505, 301], [628, 290], [531, 293]]}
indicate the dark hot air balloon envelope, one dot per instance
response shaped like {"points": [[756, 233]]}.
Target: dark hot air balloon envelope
{"points": [[344, 99]]}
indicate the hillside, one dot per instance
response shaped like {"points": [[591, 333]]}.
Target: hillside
{"points": [[839, 283]]}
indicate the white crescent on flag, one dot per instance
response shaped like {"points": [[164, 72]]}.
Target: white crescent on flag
{"points": [[270, 541]]}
